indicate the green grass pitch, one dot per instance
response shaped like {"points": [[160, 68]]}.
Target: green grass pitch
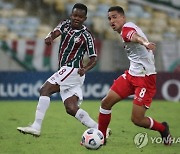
{"points": [[61, 133]]}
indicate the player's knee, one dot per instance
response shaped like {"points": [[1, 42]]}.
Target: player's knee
{"points": [[42, 91], [106, 105]]}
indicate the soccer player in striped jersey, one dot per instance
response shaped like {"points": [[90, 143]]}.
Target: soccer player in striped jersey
{"points": [[139, 79], [76, 41]]}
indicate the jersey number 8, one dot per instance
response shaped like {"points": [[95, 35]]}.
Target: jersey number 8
{"points": [[142, 92]]}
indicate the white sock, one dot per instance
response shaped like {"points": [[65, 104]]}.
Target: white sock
{"points": [[85, 119], [103, 111], [42, 106]]}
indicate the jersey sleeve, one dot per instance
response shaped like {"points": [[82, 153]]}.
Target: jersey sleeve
{"points": [[60, 26], [127, 33], [90, 45]]}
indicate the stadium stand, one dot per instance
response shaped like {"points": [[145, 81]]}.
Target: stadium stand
{"points": [[30, 19], [22, 22]]}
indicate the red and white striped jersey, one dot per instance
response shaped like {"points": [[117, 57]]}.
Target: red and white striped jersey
{"points": [[141, 59]]}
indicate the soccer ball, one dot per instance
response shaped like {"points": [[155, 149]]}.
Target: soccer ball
{"points": [[92, 139]]}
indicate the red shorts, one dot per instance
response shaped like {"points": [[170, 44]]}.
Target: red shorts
{"points": [[144, 88]]}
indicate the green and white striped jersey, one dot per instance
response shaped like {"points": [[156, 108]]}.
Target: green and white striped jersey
{"points": [[75, 43]]}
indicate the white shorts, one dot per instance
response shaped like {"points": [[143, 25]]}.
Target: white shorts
{"points": [[70, 82]]}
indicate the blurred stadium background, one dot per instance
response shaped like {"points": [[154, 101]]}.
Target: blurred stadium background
{"points": [[25, 61]]}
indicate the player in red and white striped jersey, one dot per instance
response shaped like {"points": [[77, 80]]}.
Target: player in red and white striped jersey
{"points": [[139, 79]]}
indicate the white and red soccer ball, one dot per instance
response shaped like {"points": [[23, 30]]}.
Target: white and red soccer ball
{"points": [[92, 139]]}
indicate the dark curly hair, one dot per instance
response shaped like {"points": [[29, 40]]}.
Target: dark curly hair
{"points": [[80, 6]]}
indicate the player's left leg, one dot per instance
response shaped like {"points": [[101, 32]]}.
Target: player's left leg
{"points": [[145, 89], [72, 108], [138, 118]]}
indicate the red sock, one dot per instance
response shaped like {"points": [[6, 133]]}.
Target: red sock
{"points": [[103, 122], [154, 125]]}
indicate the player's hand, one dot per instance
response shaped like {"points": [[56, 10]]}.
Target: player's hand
{"points": [[81, 71], [48, 40], [150, 46]]}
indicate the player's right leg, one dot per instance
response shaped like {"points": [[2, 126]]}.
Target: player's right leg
{"points": [[105, 111], [44, 100], [118, 91]]}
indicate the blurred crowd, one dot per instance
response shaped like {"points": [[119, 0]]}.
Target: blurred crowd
{"points": [[30, 19]]}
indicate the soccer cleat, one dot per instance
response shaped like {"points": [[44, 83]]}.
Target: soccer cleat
{"points": [[166, 136], [29, 130], [108, 132]]}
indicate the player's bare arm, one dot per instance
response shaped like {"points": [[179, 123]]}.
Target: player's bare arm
{"points": [[149, 45], [51, 36], [89, 66]]}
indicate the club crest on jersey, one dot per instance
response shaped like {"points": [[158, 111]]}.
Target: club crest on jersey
{"points": [[77, 39], [65, 29]]}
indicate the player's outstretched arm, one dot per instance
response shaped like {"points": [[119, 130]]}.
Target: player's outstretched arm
{"points": [[51, 36], [149, 45]]}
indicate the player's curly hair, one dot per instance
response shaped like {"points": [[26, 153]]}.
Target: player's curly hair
{"points": [[80, 6]]}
